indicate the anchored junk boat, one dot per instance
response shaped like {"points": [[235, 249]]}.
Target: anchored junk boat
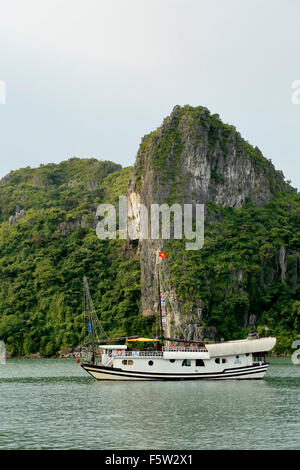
{"points": [[180, 360], [243, 359]]}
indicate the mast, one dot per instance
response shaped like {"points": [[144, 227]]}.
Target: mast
{"points": [[93, 320], [87, 307], [160, 255], [159, 307]]}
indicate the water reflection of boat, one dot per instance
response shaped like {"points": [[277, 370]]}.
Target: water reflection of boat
{"points": [[180, 360]]}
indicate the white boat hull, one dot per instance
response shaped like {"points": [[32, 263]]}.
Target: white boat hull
{"points": [[238, 373]]}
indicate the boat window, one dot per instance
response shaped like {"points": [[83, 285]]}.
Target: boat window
{"points": [[150, 363], [186, 362], [199, 363], [224, 360], [217, 360], [130, 362], [172, 360], [237, 357], [124, 362]]}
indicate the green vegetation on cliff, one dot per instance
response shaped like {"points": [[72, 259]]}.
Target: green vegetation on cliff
{"points": [[46, 252], [247, 274], [249, 265]]}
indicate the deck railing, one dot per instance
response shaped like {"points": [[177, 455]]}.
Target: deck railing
{"points": [[175, 349], [141, 353], [158, 353]]}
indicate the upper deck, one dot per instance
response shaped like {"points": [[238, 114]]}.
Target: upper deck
{"points": [[226, 348], [166, 352]]}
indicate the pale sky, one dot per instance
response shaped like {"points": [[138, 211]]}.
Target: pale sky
{"points": [[90, 78]]}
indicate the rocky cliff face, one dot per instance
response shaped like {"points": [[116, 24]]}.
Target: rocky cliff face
{"points": [[193, 158]]}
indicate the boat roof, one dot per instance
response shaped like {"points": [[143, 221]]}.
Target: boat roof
{"points": [[241, 346], [113, 346]]}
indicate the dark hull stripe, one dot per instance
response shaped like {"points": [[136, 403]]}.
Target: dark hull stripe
{"points": [[235, 370], [177, 377]]}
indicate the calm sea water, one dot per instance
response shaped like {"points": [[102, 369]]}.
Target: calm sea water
{"points": [[54, 404]]}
